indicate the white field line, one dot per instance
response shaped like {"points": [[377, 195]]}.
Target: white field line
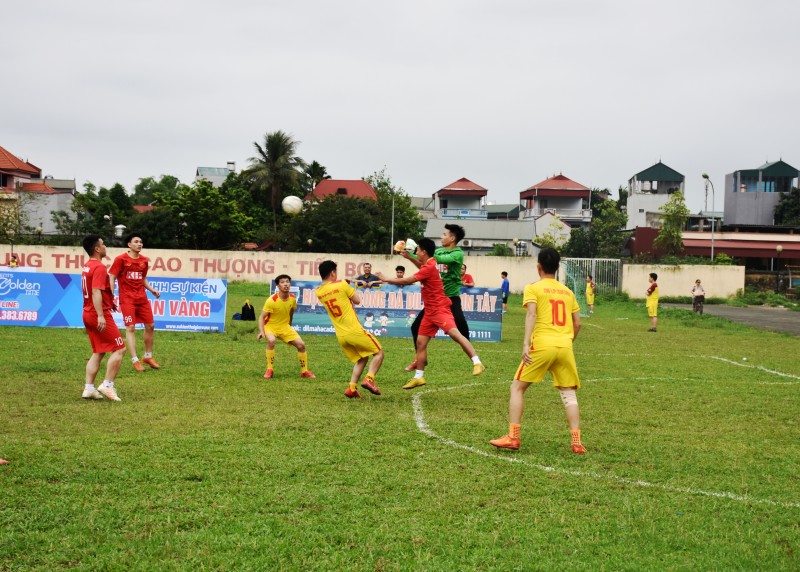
{"points": [[422, 426], [758, 367]]}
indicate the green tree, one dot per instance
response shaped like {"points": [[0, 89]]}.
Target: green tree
{"points": [[607, 230], [787, 211], [88, 214], [407, 222], [159, 227], [146, 189], [579, 245], [337, 224], [313, 173], [500, 249], [274, 169], [205, 218], [670, 236]]}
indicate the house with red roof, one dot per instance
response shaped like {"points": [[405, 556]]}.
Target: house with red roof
{"points": [[358, 189], [461, 199], [22, 187], [560, 196]]}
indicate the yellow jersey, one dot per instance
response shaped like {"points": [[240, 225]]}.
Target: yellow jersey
{"points": [[652, 295], [335, 296], [280, 311], [555, 304]]}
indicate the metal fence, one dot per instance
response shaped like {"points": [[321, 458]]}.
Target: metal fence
{"points": [[606, 273]]}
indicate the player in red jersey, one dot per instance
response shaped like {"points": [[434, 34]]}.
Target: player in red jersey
{"points": [[98, 302], [437, 312], [130, 270]]}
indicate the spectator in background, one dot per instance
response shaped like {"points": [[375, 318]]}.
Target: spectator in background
{"points": [[13, 263], [400, 272], [366, 280], [506, 290], [466, 279], [698, 297]]}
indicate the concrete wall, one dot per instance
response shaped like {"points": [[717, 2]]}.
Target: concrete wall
{"points": [[263, 266], [718, 281]]}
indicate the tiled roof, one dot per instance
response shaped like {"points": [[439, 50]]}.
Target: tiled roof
{"points": [[143, 208], [560, 183], [463, 184], [355, 189], [41, 188], [10, 162], [659, 172]]}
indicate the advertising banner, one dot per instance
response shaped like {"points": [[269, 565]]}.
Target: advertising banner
{"points": [[389, 310], [56, 300]]}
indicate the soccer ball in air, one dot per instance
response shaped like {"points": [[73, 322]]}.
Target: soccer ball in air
{"points": [[292, 205]]}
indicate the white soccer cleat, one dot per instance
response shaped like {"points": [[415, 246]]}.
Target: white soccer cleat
{"points": [[109, 392], [91, 394]]}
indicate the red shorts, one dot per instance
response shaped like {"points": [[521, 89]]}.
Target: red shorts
{"points": [[432, 323], [136, 312], [109, 340]]}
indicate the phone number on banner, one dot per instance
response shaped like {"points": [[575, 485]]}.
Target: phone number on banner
{"points": [[19, 315]]}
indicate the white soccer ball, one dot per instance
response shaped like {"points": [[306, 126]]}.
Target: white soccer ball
{"points": [[744, 359], [292, 205]]}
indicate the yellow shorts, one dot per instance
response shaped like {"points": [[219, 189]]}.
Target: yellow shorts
{"points": [[652, 310], [590, 299], [358, 345], [560, 362], [287, 335]]}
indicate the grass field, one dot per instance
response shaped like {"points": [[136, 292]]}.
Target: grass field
{"points": [[693, 455]]}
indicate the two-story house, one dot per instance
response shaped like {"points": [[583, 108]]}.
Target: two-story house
{"points": [[649, 191], [751, 195], [560, 196]]}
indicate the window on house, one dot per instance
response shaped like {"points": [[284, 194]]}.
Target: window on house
{"points": [[443, 203], [542, 203], [641, 210], [341, 191]]}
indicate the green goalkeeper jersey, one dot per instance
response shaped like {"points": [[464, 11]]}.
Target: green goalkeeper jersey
{"points": [[454, 260]]}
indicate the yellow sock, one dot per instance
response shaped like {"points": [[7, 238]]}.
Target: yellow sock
{"points": [[513, 430], [303, 357], [576, 436], [270, 359], [353, 386], [370, 377]]}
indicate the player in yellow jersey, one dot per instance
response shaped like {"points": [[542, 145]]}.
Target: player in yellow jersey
{"points": [[275, 323], [551, 324], [652, 301], [590, 288], [357, 344]]}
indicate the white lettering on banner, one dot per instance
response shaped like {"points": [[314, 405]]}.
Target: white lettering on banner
{"points": [[8, 283], [185, 287]]}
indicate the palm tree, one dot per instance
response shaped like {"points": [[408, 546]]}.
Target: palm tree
{"points": [[275, 168], [315, 172]]}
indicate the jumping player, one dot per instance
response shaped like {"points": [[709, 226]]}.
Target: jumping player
{"points": [[130, 270], [652, 301], [437, 313], [551, 325], [275, 322], [451, 255], [104, 336], [357, 344], [590, 287]]}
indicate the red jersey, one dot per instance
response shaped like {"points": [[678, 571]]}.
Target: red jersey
{"points": [[432, 287], [130, 273], [95, 275]]}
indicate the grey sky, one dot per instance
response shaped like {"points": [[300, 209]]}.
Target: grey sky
{"points": [[503, 92]]}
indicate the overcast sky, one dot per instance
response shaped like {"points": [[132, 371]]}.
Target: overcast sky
{"points": [[503, 92]]}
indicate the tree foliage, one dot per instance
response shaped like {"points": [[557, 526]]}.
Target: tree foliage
{"points": [[500, 249], [579, 244], [407, 222], [670, 236], [313, 173], [274, 170], [145, 191], [787, 211], [607, 230]]}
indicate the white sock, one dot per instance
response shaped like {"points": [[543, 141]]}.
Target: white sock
{"points": [[89, 387], [134, 359], [419, 374], [476, 359], [148, 354], [108, 382]]}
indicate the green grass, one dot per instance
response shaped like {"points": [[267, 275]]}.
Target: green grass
{"points": [[205, 465]]}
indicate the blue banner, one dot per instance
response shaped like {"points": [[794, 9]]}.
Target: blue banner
{"points": [[389, 310], [56, 300]]}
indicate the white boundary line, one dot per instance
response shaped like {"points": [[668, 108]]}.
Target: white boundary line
{"points": [[773, 372], [423, 427]]}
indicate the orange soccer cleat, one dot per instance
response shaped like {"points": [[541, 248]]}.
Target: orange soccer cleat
{"points": [[269, 373], [151, 362], [579, 449], [506, 442], [308, 374], [352, 393], [371, 387], [137, 365]]}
